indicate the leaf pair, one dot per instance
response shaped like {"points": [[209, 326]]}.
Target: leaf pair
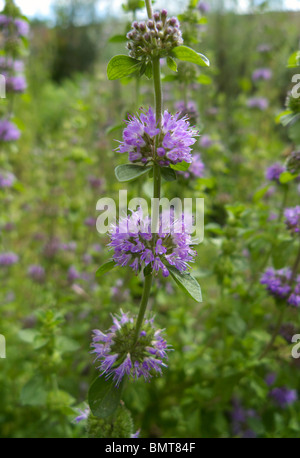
{"points": [[121, 65]]}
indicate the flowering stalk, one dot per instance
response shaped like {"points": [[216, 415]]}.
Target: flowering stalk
{"points": [[132, 347], [156, 177]]}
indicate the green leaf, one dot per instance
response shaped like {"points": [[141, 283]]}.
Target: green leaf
{"points": [[117, 39], [104, 397], [282, 115], [34, 392], [168, 174], [260, 194], [294, 60], [65, 344], [148, 70], [130, 172], [28, 335], [114, 128], [189, 55], [171, 64], [120, 66], [182, 166], [169, 78], [187, 283], [286, 177], [105, 268], [204, 79]]}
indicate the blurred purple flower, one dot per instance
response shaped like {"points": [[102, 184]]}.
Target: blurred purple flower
{"points": [[274, 171], [8, 259], [8, 131], [7, 63], [280, 285], [69, 246], [16, 84], [270, 378], [258, 102], [95, 182], [90, 221], [292, 218], [36, 273], [22, 27], [73, 274], [204, 7], [262, 74], [283, 396], [51, 247], [239, 419], [205, 141], [277, 282], [7, 180]]}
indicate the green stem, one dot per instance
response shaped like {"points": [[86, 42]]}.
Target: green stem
{"points": [[157, 89], [143, 306], [156, 177], [149, 8]]}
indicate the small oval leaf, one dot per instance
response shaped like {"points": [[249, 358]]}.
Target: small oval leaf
{"points": [[104, 397], [168, 174], [130, 172], [105, 268], [187, 283], [181, 166], [189, 55], [120, 66], [171, 64]]}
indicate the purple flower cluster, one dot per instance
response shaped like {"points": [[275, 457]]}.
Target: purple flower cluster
{"points": [[262, 74], [292, 218], [36, 273], [21, 27], [73, 274], [144, 141], [196, 169], [206, 141], [16, 84], [258, 102], [8, 259], [280, 285], [239, 417], [135, 245], [95, 182], [7, 180], [274, 171], [204, 7], [7, 63], [8, 131], [283, 396], [121, 355]]}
